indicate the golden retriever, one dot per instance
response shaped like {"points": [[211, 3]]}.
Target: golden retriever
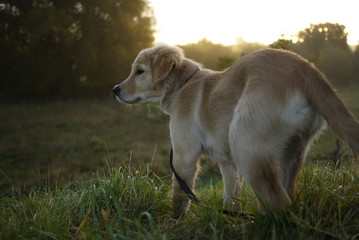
{"points": [[257, 118]]}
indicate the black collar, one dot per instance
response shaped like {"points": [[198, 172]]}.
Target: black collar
{"points": [[189, 78]]}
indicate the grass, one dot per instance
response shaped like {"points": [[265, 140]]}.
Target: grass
{"points": [[122, 204], [95, 208]]}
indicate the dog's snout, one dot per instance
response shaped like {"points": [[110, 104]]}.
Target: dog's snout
{"points": [[116, 89]]}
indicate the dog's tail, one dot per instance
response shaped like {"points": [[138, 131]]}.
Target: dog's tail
{"points": [[320, 92]]}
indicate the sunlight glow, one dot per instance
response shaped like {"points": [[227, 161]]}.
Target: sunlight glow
{"points": [[188, 21]]}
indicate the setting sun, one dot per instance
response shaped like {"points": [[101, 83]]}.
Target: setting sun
{"points": [[188, 21]]}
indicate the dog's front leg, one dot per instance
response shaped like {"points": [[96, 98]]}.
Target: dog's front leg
{"points": [[185, 163], [232, 184]]}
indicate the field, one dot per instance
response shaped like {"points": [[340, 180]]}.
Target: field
{"points": [[96, 169], [65, 140]]}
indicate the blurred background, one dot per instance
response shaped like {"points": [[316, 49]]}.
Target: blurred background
{"points": [[59, 60]]}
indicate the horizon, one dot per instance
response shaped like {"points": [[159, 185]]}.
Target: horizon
{"points": [[274, 23]]}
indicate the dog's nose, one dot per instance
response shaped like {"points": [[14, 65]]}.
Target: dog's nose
{"points": [[116, 89]]}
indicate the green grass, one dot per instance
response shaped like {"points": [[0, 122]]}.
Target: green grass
{"points": [[95, 208], [122, 204]]}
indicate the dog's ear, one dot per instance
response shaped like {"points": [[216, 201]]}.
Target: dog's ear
{"points": [[165, 59]]}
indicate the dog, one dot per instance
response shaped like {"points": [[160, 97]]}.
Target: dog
{"points": [[256, 119]]}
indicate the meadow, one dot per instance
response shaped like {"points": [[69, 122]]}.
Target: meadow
{"points": [[65, 140], [96, 169]]}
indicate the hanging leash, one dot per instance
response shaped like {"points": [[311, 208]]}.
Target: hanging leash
{"points": [[183, 185], [194, 198]]}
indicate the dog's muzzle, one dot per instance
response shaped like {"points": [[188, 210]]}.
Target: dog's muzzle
{"points": [[124, 97]]}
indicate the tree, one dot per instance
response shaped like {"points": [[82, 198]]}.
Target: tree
{"points": [[225, 62], [114, 31], [218, 56], [282, 44], [67, 47], [207, 53], [243, 47], [324, 35], [326, 46]]}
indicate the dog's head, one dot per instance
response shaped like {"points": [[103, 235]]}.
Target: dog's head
{"points": [[149, 72]]}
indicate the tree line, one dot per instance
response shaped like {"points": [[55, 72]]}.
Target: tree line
{"points": [[72, 48], [67, 48], [325, 45]]}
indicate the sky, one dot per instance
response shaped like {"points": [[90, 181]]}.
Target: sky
{"points": [[226, 21]]}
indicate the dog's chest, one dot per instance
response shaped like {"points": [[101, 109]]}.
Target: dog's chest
{"points": [[213, 140]]}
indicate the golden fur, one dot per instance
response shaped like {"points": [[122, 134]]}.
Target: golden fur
{"points": [[256, 119]]}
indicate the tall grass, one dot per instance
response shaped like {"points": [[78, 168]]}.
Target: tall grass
{"points": [[123, 204], [115, 204]]}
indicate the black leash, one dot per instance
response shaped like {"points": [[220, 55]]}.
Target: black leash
{"points": [[183, 185], [194, 198]]}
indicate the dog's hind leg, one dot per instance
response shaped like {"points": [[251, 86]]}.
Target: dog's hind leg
{"points": [[257, 140], [295, 152], [292, 160], [263, 175]]}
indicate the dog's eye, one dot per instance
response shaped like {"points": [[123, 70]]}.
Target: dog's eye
{"points": [[139, 72]]}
